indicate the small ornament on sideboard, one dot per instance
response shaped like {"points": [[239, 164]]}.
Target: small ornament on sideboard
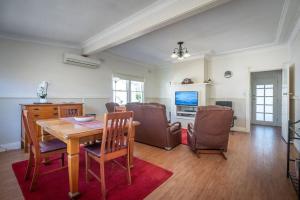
{"points": [[187, 81], [42, 91]]}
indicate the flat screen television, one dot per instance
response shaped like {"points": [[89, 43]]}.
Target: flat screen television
{"points": [[186, 98]]}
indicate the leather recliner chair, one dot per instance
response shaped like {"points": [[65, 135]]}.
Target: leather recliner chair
{"points": [[110, 106], [154, 128], [211, 129]]}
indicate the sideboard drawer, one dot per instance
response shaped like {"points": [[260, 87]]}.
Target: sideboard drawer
{"points": [[44, 112]]}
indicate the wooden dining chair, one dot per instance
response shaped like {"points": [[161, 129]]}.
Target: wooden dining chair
{"points": [[40, 150], [120, 108], [115, 143]]}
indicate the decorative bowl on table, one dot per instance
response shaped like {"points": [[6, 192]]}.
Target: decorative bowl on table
{"points": [[84, 118]]}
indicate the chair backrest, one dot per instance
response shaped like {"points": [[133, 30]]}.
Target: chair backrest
{"points": [[120, 108], [70, 111], [117, 131], [110, 106], [153, 129], [30, 130], [212, 126]]}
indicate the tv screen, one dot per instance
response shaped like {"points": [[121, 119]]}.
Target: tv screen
{"points": [[186, 98]]}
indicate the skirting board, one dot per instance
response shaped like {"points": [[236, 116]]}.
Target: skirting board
{"points": [[10, 146], [240, 129]]}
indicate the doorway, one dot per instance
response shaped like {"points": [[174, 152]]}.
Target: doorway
{"points": [[266, 89]]}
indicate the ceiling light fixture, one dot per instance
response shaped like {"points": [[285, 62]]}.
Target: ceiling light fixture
{"points": [[181, 52]]}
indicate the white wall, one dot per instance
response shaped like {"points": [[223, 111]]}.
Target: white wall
{"points": [[23, 65], [175, 73], [295, 59], [235, 89]]}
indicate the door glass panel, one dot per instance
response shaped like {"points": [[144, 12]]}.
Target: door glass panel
{"points": [[269, 86], [268, 117], [269, 109], [260, 86], [259, 100], [260, 92], [260, 108], [259, 116], [269, 100], [269, 92], [264, 103]]}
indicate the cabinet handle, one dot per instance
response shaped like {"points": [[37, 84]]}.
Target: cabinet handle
{"points": [[36, 115], [54, 108], [36, 109]]}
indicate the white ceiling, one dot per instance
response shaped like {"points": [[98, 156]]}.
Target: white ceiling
{"points": [[63, 21], [236, 25]]}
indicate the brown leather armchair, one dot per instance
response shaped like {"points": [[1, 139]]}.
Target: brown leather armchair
{"points": [[211, 129], [110, 106], [154, 128]]}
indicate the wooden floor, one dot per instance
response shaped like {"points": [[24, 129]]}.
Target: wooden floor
{"points": [[255, 169]]}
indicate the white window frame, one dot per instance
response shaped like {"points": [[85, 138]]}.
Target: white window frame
{"points": [[128, 79]]}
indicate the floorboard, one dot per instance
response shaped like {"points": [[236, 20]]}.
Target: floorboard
{"points": [[255, 169]]}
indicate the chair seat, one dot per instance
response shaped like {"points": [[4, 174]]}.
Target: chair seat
{"points": [[94, 149], [52, 145]]}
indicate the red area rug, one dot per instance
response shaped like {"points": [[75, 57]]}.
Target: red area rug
{"points": [[184, 136], [146, 177]]}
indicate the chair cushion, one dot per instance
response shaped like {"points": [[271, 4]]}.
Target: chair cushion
{"points": [[93, 149], [52, 145]]}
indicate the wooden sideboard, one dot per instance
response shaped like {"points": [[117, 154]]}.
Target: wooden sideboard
{"points": [[47, 111]]}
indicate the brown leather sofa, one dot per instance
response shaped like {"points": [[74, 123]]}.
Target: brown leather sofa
{"points": [[211, 129], [110, 106], [154, 128]]}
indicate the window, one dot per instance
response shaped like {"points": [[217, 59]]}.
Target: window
{"points": [[126, 89]]}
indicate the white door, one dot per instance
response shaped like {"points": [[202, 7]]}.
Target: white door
{"points": [[285, 101], [266, 98]]}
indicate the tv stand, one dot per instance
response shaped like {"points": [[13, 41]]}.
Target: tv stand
{"points": [[186, 112]]}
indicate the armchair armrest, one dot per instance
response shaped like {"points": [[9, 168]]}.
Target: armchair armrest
{"points": [[174, 126], [190, 128]]}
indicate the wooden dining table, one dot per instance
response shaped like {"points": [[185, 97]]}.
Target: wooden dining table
{"points": [[74, 133]]}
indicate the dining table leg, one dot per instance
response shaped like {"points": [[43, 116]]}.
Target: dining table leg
{"points": [[131, 141], [73, 149]]}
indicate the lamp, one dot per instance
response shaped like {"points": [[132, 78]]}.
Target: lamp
{"points": [[181, 52]]}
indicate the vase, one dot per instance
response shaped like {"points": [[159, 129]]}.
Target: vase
{"points": [[43, 100]]}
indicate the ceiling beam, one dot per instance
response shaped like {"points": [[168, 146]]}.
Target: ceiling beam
{"points": [[155, 16]]}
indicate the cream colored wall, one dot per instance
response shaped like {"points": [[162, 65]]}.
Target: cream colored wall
{"points": [[23, 65]]}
